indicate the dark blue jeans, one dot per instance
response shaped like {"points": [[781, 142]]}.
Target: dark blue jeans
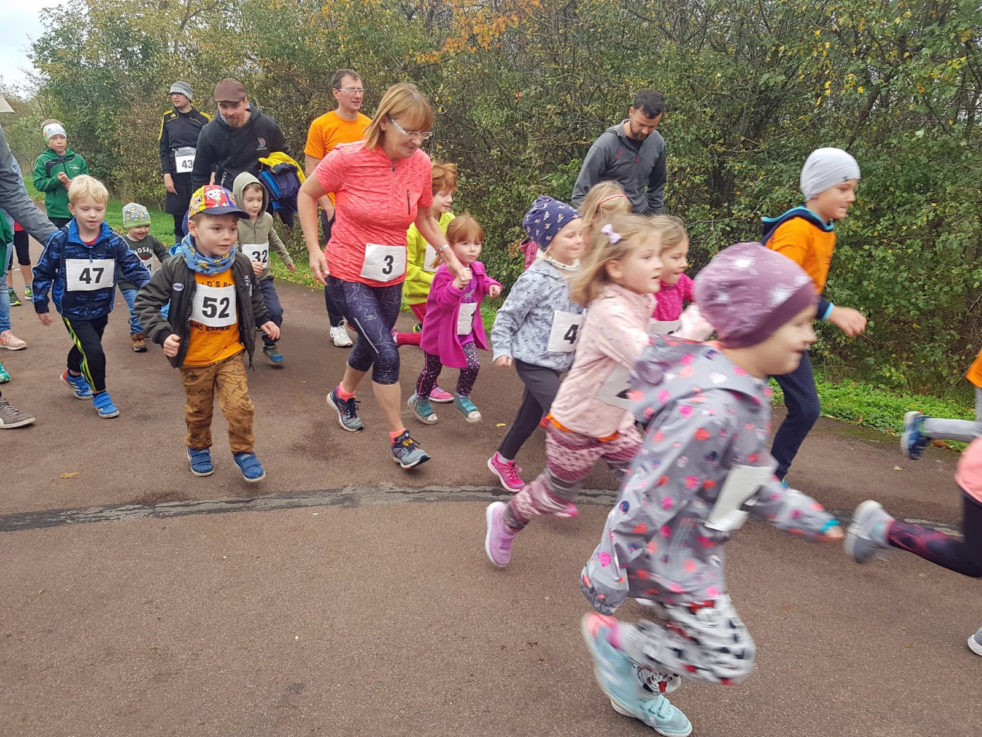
{"points": [[804, 408], [372, 312], [273, 306]]}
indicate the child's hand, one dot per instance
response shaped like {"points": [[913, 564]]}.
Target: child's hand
{"points": [[503, 361], [65, 181], [849, 321], [271, 330], [465, 276], [171, 345], [291, 267], [493, 291], [257, 268], [45, 318]]}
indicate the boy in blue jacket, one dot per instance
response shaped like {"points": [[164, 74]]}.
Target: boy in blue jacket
{"points": [[78, 266]]}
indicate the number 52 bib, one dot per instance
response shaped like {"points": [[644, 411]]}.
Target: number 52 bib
{"points": [[214, 306], [383, 263]]}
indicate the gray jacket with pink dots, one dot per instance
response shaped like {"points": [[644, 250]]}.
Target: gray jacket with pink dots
{"points": [[708, 423]]}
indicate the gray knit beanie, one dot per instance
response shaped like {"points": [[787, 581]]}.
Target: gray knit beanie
{"points": [[181, 88], [825, 168]]}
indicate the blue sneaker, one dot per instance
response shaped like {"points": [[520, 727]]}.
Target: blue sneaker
{"points": [[466, 408], [422, 409], [252, 469], [913, 441], [200, 460], [79, 386], [347, 411], [273, 355], [103, 404], [406, 452]]}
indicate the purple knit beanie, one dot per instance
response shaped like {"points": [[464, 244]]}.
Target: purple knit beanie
{"points": [[747, 292], [547, 217]]}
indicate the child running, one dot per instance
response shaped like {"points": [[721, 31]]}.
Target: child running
{"points": [[78, 267], [873, 529], [586, 422], [214, 308], [256, 234], [455, 328], [919, 430], [136, 221], [676, 286], [702, 464], [536, 327]]}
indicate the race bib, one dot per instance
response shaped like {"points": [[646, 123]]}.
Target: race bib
{"points": [[82, 275], [614, 390], [258, 252], [383, 263], [664, 327], [741, 483], [148, 264], [465, 318], [214, 307], [565, 330], [184, 159], [429, 259]]}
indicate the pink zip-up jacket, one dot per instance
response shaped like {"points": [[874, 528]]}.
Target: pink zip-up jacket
{"points": [[613, 335], [442, 307]]}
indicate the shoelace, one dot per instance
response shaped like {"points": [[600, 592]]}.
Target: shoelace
{"points": [[350, 407]]}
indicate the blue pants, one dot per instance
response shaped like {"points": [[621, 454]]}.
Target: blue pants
{"points": [[372, 312], [273, 306], [4, 296], [130, 296], [804, 408], [333, 312]]}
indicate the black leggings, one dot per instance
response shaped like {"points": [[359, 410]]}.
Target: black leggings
{"points": [[541, 387], [961, 556], [86, 356]]}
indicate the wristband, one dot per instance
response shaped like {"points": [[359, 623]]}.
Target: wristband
{"points": [[443, 248], [828, 312]]}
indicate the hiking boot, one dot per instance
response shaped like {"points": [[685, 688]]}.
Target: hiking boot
{"points": [[422, 409], [79, 386], [466, 408], [103, 404], [11, 342], [14, 299], [11, 417], [200, 460], [340, 337], [273, 355], [913, 441], [499, 537], [974, 642], [252, 469], [139, 341], [868, 531], [347, 410], [440, 396], [507, 473], [406, 452], [4, 374]]}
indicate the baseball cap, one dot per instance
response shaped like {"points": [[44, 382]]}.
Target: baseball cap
{"points": [[229, 90], [214, 200]]}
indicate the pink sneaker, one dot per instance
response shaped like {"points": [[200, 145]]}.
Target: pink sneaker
{"points": [[11, 342], [568, 513], [438, 395], [507, 473], [499, 537]]}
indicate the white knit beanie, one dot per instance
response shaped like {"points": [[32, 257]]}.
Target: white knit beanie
{"points": [[825, 168]]}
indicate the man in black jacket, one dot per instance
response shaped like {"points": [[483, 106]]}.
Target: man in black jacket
{"points": [[234, 141], [178, 140]]}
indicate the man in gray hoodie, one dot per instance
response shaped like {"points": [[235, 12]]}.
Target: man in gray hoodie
{"points": [[631, 153]]}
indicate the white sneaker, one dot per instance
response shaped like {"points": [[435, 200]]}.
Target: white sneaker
{"points": [[340, 337], [11, 342]]}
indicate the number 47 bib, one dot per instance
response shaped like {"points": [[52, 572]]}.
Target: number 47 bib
{"points": [[83, 275]]}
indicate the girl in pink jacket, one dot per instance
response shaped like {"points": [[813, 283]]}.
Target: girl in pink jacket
{"points": [[454, 330], [589, 418]]}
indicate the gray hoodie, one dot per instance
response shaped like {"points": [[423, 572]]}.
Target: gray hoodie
{"points": [[258, 232], [709, 423], [638, 166]]}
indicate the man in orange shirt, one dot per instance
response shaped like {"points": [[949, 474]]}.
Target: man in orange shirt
{"points": [[344, 125]]}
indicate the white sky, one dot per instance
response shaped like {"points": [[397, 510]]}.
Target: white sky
{"points": [[22, 24]]}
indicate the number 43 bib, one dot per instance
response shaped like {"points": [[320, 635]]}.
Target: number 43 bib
{"points": [[383, 263]]}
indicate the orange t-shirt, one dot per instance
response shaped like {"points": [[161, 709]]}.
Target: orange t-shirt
{"points": [[330, 130], [214, 320], [807, 246], [975, 371]]}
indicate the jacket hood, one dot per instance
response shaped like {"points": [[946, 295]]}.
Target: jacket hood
{"points": [[104, 232], [242, 181], [673, 368]]}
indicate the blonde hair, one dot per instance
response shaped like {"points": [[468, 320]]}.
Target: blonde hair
{"points": [[602, 202], [444, 177], [671, 229], [85, 186], [403, 101], [629, 230]]}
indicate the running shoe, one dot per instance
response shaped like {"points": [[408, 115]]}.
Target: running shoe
{"points": [[499, 536], [913, 441], [422, 409], [507, 473], [466, 407], [252, 469], [347, 410], [273, 355], [440, 396], [340, 337], [28, 292], [103, 404], [11, 417], [200, 460], [974, 642], [4, 374], [406, 452], [79, 386], [11, 342], [14, 299], [868, 531]]}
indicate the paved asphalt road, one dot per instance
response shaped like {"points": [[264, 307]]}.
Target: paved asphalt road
{"points": [[344, 596]]}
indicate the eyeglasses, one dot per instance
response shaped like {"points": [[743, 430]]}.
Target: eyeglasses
{"points": [[422, 135], [351, 90]]}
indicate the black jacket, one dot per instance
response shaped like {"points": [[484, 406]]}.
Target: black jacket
{"points": [[179, 130], [174, 284], [229, 151]]}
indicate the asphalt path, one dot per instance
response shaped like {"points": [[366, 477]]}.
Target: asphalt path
{"points": [[345, 596]]}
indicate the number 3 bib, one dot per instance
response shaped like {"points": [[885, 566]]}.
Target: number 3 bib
{"points": [[82, 275], [383, 263], [565, 329], [214, 307]]}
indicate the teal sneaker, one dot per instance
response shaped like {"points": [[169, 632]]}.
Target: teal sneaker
{"points": [[466, 408], [103, 404], [407, 453], [4, 374], [79, 386], [422, 409]]}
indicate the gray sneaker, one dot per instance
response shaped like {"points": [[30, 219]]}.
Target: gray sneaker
{"points": [[347, 411], [10, 416], [406, 452], [975, 642], [868, 531]]}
